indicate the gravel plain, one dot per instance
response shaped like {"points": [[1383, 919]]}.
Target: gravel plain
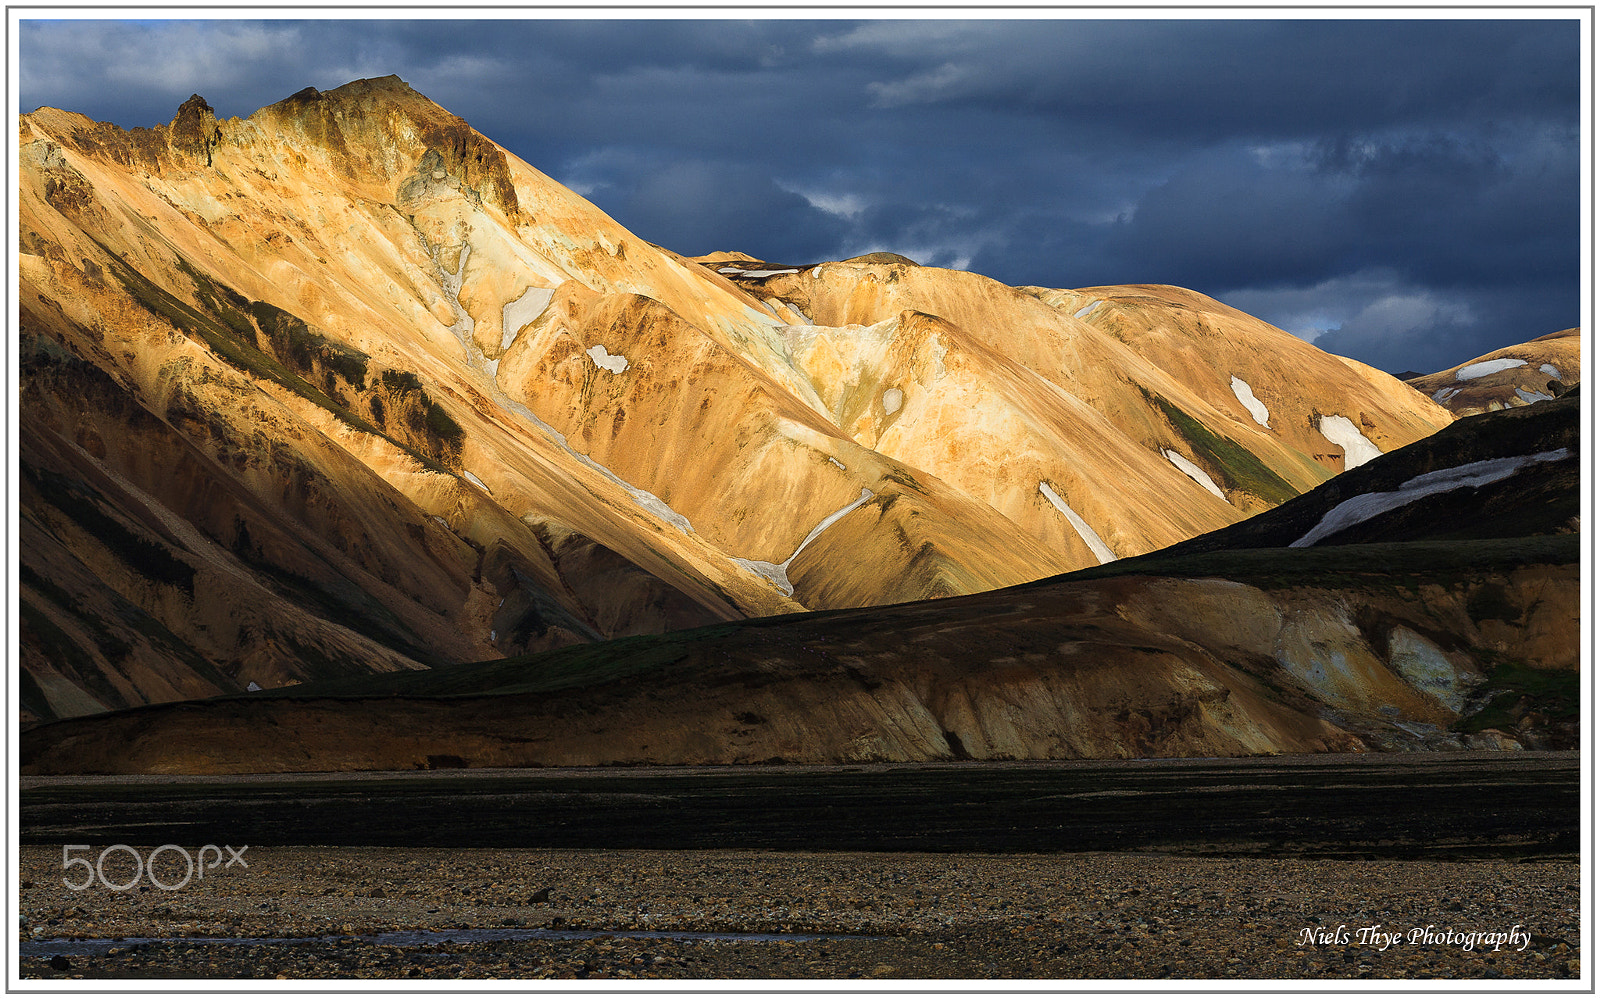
{"points": [[897, 916]]}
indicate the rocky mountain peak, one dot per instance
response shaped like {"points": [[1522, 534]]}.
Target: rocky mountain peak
{"points": [[194, 128]]}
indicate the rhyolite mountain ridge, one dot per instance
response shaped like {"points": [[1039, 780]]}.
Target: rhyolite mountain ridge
{"points": [[1304, 629], [345, 388], [1520, 375]]}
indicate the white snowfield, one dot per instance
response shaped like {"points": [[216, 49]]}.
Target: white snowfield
{"points": [[515, 315], [1087, 309], [1247, 399], [893, 399], [1468, 372], [778, 575], [1357, 449], [1445, 394], [614, 363], [1194, 472], [1080, 525], [1552, 371], [477, 482], [741, 272], [1361, 508], [1533, 397]]}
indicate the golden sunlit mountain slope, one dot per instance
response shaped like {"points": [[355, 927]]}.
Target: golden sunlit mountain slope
{"points": [[1514, 376], [1427, 600], [345, 387]]}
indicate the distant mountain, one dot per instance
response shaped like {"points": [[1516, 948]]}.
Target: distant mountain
{"points": [[344, 388], [1453, 623], [1530, 372], [1507, 474]]}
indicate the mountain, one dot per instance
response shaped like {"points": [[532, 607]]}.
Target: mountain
{"points": [[1256, 639], [345, 388], [1514, 376]]}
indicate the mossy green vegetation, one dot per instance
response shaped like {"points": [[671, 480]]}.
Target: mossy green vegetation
{"points": [[1237, 467], [441, 425], [306, 351], [401, 382], [575, 666], [431, 423], [1516, 690], [1403, 564], [293, 351], [1540, 501]]}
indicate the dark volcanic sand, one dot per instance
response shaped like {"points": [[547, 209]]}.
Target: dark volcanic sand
{"points": [[932, 916], [1133, 869]]}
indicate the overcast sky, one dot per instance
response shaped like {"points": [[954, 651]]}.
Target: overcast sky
{"points": [[1402, 192]]}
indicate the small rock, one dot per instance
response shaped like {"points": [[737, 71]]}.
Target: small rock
{"points": [[542, 895], [60, 963]]}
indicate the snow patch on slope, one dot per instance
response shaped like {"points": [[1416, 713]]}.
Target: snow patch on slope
{"points": [[1080, 525], [614, 363], [1357, 449], [1552, 371], [1533, 397], [515, 315], [1445, 394], [1194, 472], [1470, 371], [1247, 399], [778, 575], [1358, 509], [741, 272], [477, 482], [893, 399], [1087, 309]]}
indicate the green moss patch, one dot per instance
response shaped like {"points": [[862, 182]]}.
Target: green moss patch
{"points": [[1405, 564], [1516, 691], [292, 351], [1222, 457], [575, 666]]}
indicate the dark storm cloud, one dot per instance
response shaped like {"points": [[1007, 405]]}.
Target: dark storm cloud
{"points": [[1406, 190]]}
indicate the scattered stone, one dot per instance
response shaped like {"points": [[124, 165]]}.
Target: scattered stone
{"points": [[904, 917]]}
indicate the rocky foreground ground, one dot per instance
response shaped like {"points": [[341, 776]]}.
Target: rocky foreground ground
{"points": [[852, 915]]}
